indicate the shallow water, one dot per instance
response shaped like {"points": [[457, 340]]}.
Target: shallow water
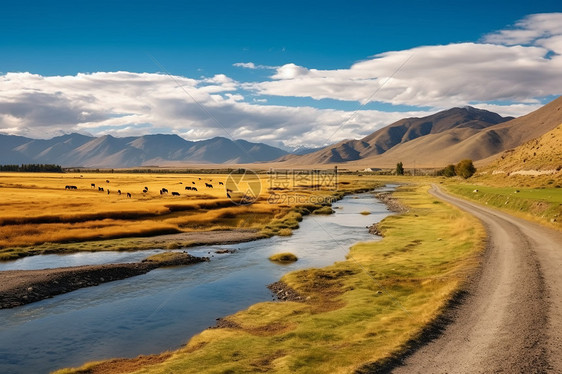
{"points": [[162, 309]]}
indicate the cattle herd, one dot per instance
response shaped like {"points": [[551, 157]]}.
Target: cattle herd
{"points": [[145, 189]]}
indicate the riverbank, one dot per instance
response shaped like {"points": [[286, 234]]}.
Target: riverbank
{"points": [[353, 313], [20, 287]]}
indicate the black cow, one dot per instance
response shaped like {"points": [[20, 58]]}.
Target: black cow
{"points": [[118, 192], [175, 193], [192, 182], [146, 188], [100, 189], [163, 190], [70, 187], [208, 185], [221, 184], [188, 188], [128, 195], [93, 185], [193, 188], [107, 181], [108, 191]]}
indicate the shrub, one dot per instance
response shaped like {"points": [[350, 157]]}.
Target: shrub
{"points": [[448, 171], [465, 169]]}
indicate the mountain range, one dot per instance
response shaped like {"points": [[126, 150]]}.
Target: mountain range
{"points": [[108, 151], [439, 139], [436, 140]]}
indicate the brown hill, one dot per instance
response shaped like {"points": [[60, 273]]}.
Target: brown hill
{"points": [[467, 121], [443, 138], [453, 145], [543, 154]]}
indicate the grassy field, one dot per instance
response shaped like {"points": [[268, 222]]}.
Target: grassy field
{"points": [[38, 215], [543, 205], [355, 312]]}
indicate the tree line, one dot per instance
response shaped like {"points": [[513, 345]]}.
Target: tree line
{"points": [[33, 168]]}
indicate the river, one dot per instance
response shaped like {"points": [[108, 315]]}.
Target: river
{"points": [[160, 310]]}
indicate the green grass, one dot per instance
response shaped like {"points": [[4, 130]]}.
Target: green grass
{"points": [[543, 205], [358, 311]]}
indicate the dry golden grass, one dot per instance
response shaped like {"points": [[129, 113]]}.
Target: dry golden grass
{"points": [[36, 208]]}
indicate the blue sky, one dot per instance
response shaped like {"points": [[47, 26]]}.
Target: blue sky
{"points": [[298, 50]]}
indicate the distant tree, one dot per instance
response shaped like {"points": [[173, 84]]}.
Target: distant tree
{"points": [[33, 168], [399, 168], [465, 169], [448, 171]]}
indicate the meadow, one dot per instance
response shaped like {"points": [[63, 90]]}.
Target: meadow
{"points": [[352, 314], [542, 204], [39, 215]]}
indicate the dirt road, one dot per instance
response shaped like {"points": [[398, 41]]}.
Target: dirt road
{"points": [[511, 321]]}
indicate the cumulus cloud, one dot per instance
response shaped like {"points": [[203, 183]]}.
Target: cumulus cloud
{"points": [[126, 104], [514, 64], [535, 28]]}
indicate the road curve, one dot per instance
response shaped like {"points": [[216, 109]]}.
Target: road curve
{"points": [[511, 320]]}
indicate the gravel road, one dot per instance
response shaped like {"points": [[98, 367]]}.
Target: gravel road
{"points": [[511, 320]]}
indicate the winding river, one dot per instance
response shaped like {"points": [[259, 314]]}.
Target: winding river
{"points": [[160, 310]]}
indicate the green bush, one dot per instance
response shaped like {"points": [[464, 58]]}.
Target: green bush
{"points": [[465, 169]]}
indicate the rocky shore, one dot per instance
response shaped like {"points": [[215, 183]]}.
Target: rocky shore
{"points": [[391, 202], [283, 292], [19, 287]]}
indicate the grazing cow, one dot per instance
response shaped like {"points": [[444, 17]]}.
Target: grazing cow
{"points": [[208, 185], [175, 193], [193, 188], [67, 187], [108, 191], [163, 190], [192, 182], [93, 185], [107, 181], [100, 189], [118, 192], [221, 184], [188, 188], [146, 188], [128, 195]]}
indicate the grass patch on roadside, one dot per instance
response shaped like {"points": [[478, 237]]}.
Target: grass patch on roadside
{"points": [[543, 205], [358, 311]]}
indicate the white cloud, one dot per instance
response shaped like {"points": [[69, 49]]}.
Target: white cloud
{"points": [[126, 104], [514, 65], [534, 28], [251, 65], [246, 65]]}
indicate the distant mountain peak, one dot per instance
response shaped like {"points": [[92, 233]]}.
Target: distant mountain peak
{"points": [[151, 149]]}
